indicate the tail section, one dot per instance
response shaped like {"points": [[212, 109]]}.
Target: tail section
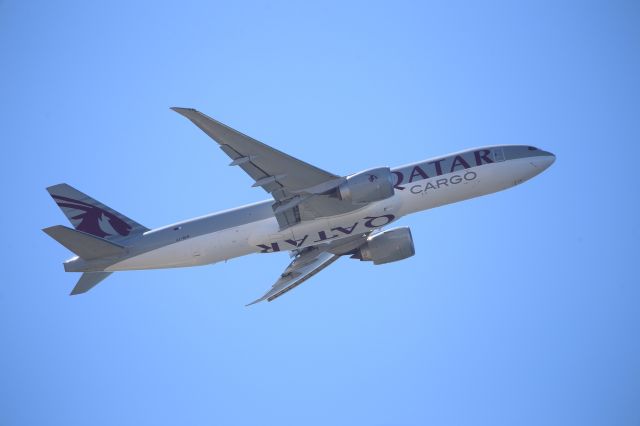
{"points": [[85, 245], [88, 280], [91, 216], [88, 247]]}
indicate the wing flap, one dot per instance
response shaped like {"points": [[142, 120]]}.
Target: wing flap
{"points": [[303, 267]]}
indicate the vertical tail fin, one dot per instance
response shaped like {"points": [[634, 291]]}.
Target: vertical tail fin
{"points": [[91, 216]]}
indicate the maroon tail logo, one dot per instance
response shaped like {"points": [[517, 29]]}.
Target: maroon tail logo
{"points": [[92, 217]]}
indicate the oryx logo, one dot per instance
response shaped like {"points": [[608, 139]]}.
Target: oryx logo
{"points": [[92, 219], [372, 178]]}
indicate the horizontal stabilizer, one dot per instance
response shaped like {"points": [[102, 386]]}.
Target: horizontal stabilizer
{"points": [[88, 280], [84, 245]]}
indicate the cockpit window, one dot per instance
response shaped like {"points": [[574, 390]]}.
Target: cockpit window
{"points": [[532, 148]]}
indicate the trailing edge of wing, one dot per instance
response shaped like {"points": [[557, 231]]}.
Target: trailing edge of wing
{"points": [[303, 267]]}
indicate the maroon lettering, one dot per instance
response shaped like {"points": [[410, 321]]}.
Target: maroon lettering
{"points": [[459, 161], [438, 166], [297, 243], [399, 179], [322, 236], [346, 231], [387, 218], [482, 154], [269, 249], [417, 171]]}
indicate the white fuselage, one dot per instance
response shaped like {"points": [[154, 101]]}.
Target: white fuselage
{"points": [[265, 236]]}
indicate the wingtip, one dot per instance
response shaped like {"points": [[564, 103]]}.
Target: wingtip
{"points": [[50, 230], [181, 110], [254, 302], [53, 188], [75, 291]]}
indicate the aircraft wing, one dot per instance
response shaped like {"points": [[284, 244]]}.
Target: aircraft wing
{"points": [[303, 267], [273, 170], [310, 261], [293, 183]]}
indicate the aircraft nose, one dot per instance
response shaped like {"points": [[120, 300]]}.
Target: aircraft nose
{"points": [[544, 161]]}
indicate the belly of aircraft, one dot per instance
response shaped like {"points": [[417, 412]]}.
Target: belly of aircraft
{"points": [[201, 250], [265, 237]]}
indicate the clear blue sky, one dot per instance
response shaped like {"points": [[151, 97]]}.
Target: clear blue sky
{"points": [[519, 308]]}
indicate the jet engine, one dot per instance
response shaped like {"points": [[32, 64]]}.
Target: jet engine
{"points": [[387, 246], [367, 186]]}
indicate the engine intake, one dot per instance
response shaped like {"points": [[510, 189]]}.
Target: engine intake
{"points": [[387, 246], [368, 186]]}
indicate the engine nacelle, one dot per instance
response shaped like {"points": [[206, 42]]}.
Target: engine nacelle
{"points": [[368, 186], [388, 246]]}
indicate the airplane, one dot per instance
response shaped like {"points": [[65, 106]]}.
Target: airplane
{"points": [[315, 215]]}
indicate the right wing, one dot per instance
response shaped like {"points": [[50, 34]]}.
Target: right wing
{"points": [[303, 267], [308, 262]]}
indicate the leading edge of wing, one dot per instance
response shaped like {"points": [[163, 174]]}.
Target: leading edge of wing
{"points": [[263, 163]]}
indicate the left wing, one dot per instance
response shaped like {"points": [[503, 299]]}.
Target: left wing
{"points": [[276, 172], [309, 261], [294, 184]]}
